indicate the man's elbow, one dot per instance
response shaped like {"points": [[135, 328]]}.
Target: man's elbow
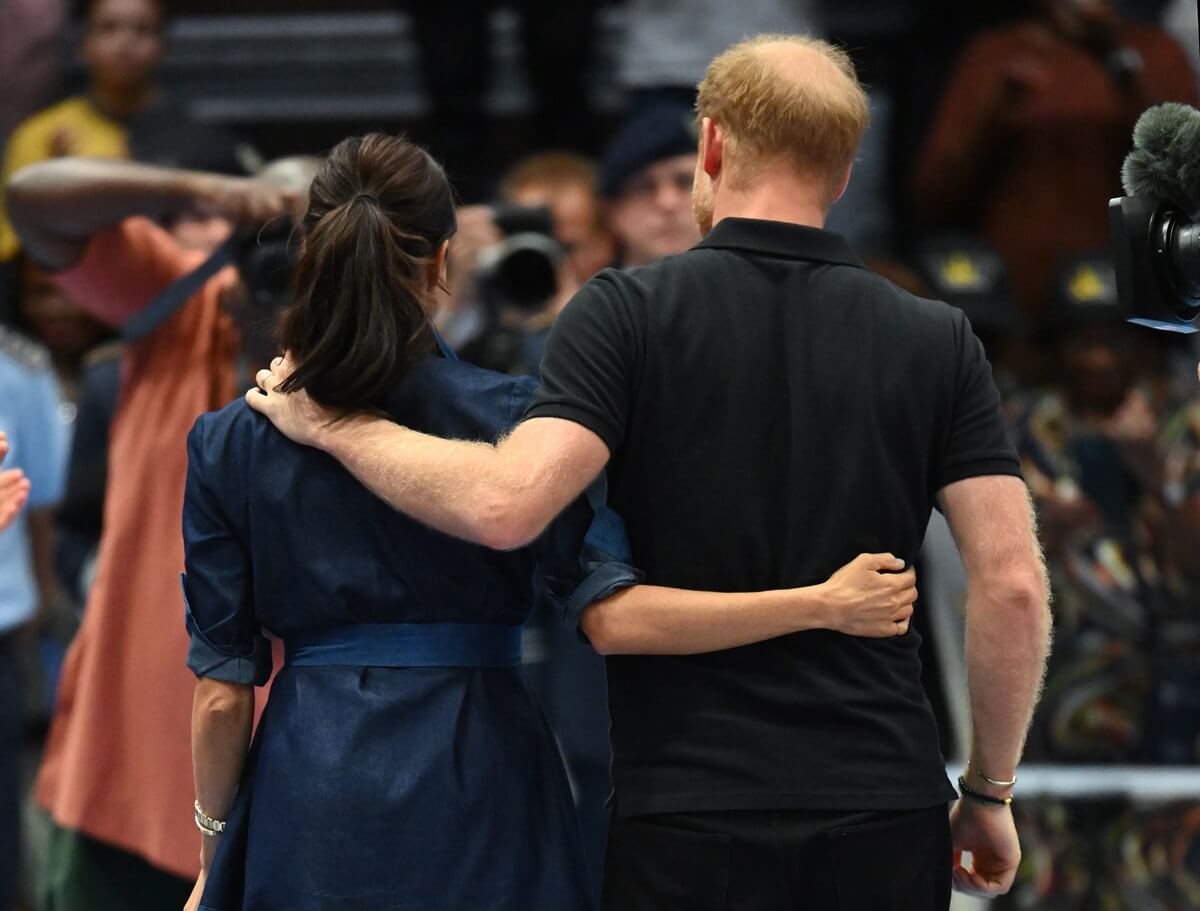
{"points": [[504, 522], [1023, 596]]}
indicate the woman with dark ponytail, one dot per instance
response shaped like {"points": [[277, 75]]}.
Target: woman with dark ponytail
{"points": [[400, 764]]}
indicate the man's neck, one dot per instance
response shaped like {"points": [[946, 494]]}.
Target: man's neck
{"points": [[773, 199]]}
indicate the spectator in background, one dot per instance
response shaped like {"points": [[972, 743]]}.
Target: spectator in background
{"points": [[14, 488], [566, 672], [37, 445], [668, 46], [81, 514], [29, 57], [487, 330], [646, 183], [1181, 19], [1027, 145], [566, 184], [117, 774], [51, 316], [122, 113], [1115, 472]]}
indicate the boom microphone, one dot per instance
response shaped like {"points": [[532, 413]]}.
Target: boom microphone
{"points": [[1165, 161], [1155, 240]]}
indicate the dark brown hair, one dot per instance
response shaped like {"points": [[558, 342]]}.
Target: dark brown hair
{"points": [[378, 211]]}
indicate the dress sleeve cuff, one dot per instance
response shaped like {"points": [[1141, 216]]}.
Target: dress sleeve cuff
{"points": [[604, 578], [208, 660]]}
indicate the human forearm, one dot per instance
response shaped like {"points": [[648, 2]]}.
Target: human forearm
{"points": [[1008, 615], [57, 205], [464, 489], [1007, 642], [868, 597], [502, 496], [654, 620], [222, 720]]}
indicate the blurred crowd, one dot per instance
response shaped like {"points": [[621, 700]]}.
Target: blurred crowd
{"points": [[995, 146]]}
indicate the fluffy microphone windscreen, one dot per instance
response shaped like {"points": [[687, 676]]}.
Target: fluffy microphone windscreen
{"points": [[1165, 161]]}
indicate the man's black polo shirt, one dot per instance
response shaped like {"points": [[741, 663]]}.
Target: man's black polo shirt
{"points": [[773, 409]]}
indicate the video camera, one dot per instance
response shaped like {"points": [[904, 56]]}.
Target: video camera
{"points": [[522, 270], [1153, 230], [265, 258]]}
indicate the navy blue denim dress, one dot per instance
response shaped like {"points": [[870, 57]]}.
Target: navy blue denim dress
{"points": [[400, 764]]}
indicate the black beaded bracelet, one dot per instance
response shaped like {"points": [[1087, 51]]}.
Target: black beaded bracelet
{"points": [[982, 798]]}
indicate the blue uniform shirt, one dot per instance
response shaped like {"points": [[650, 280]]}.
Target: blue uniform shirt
{"points": [[37, 439]]}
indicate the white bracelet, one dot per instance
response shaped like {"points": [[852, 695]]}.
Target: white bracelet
{"points": [[206, 824]]}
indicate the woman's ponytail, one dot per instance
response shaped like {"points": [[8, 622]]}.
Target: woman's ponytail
{"points": [[379, 211]]}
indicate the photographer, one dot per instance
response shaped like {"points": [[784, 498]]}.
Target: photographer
{"points": [[117, 776], [514, 265], [1030, 133]]}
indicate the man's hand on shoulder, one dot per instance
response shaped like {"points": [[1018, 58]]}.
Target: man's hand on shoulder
{"points": [[294, 414]]}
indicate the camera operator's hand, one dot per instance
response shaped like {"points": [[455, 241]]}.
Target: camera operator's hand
{"points": [[245, 200], [477, 232]]}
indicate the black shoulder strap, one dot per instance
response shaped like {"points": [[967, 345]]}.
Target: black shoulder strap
{"points": [[179, 292]]}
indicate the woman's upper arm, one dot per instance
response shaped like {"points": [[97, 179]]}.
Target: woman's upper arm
{"points": [[226, 640]]}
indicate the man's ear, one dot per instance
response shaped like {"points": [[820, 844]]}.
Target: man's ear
{"points": [[845, 183], [712, 147]]}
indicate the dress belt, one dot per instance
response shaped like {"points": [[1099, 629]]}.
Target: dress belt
{"points": [[407, 645]]}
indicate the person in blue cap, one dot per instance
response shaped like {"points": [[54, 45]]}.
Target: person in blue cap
{"points": [[646, 180]]}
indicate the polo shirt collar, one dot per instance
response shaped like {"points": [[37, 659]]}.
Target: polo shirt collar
{"points": [[780, 238]]}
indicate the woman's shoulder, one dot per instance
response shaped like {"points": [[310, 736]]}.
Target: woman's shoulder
{"points": [[449, 397], [220, 434]]}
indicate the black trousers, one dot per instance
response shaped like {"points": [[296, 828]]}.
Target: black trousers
{"points": [[780, 861]]}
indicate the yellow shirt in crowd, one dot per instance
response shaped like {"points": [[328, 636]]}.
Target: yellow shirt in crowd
{"points": [[72, 127]]}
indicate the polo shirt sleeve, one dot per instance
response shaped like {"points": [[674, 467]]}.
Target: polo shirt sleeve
{"points": [[977, 443], [591, 360], [225, 640]]}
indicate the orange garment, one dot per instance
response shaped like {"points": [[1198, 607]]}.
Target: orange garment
{"points": [[118, 761], [1034, 175]]}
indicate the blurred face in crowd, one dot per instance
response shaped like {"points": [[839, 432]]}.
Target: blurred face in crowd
{"points": [[652, 217], [62, 326], [577, 224], [1099, 369], [123, 43]]}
